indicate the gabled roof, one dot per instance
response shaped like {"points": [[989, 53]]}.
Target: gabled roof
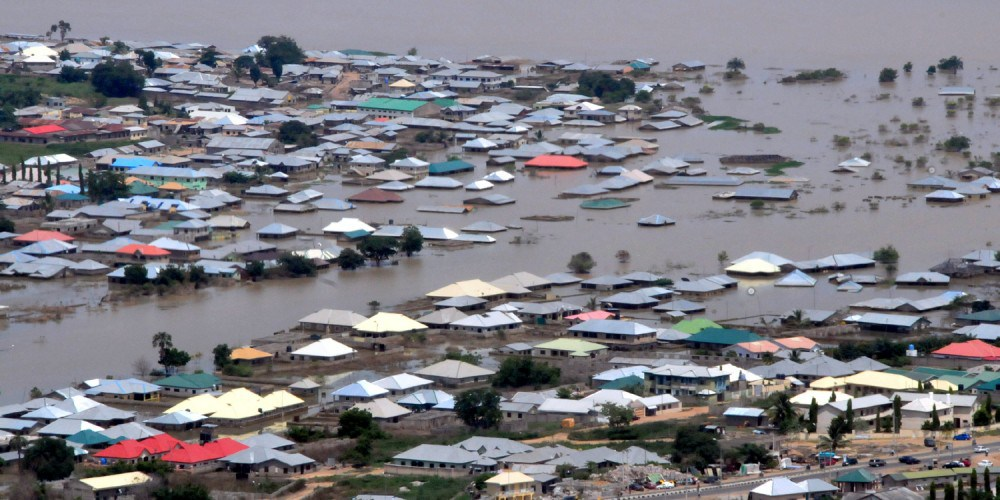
{"points": [[973, 349], [385, 322], [575, 347], [324, 348], [722, 336], [610, 326], [402, 382], [454, 369], [361, 389]]}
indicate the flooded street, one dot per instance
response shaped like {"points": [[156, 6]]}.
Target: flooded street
{"points": [[100, 339]]}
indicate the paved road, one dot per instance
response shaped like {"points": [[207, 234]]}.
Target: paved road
{"points": [[740, 487]]}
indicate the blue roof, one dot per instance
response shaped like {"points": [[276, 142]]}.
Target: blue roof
{"points": [[133, 162], [448, 167]]}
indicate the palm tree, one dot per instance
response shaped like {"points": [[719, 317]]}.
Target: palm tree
{"points": [[163, 341], [782, 413], [735, 64], [63, 27], [836, 435], [17, 443]]}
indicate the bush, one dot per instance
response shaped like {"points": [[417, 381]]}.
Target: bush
{"points": [[117, 79], [581, 263], [957, 143], [296, 265], [234, 370], [887, 75], [757, 204], [520, 372], [886, 255], [71, 75]]}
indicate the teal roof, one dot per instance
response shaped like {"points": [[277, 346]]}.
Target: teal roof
{"points": [[389, 104], [448, 167], [72, 197], [857, 476], [991, 316], [604, 204], [169, 225], [357, 233], [912, 375], [190, 381], [941, 372], [445, 103], [624, 382], [88, 437], [723, 336], [139, 188]]}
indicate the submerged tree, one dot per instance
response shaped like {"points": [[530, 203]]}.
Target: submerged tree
{"points": [[412, 241], [581, 263]]}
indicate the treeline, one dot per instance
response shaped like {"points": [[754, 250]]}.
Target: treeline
{"points": [[887, 351]]}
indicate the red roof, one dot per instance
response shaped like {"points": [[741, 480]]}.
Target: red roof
{"points": [[42, 235], [129, 449], [161, 443], [224, 447], [189, 455], [973, 349], [555, 161], [376, 195], [44, 129], [587, 316], [144, 250]]}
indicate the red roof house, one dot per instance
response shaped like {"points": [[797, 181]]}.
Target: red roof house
{"points": [[130, 450], [376, 195], [44, 129], [41, 235], [555, 161], [587, 316], [142, 251], [161, 443], [973, 349], [221, 448]]}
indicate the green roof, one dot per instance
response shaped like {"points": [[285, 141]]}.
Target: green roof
{"points": [[189, 381], [857, 476], [72, 197], [448, 167], [445, 103], [356, 234], [389, 104], [991, 316], [912, 375], [604, 204], [941, 372], [722, 336], [169, 225], [692, 326], [139, 188], [927, 474], [576, 347], [624, 382]]}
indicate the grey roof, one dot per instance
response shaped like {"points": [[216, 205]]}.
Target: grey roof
{"points": [[483, 445], [267, 440], [899, 320], [438, 454], [863, 402], [258, 455], [611, 326], [865, 363]]}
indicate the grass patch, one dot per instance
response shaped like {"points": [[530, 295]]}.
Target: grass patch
{"points": [[430, 488], [385, 449], [779, 168], [738, 124], [52, 87], [652, 430], [12, 153]]}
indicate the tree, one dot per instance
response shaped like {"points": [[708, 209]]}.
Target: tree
{"points": [[188, 491], [106, 185], [897, 414], [296, 265], [148, 60], [220, 356], [49, 458], [117, 79], [849, 415], [18, 443], [349, 259], [135, 274], [957, 143], [281, 50], [356, 422], [694, 448], [522, 371], [378, 248], [255, 269], [605, 87], [953, 64], [479, 408], [836, 434], [782, 413], [174, 357], [813, 415], [197, 275], [886, 255], [735, 65], [618, 416], [949, 491], [298, 133], [255, 74], [7, 225], [930, 71], [62, 27], [581, 263], [162, 341], [64, 55], [209, 57], [908, 67], [935, 420], [888, 75], [412, 241]]}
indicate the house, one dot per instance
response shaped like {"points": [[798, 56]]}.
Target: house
{"points": [[361, 391], [566, 347], [383, 410], [757, 349], [615, 333], [745, 417], [455, 373], [858, 480], [920, 410], [331, 321], [260, 459], [403, 383], [720, 338], [383, 107], [325, 349], [258, 146], [692, 65], [686, 380], [250, 356], [974, 349], [161, 176], [893, 323], [865, 408], [963, 406], [512, 485], [114, 486], [439, 460], [132, 389], [189, 384]]}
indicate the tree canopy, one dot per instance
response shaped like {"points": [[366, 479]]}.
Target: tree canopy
{"points": [[49, 458], [520, 372], [117, 79], [298, 133], [378, 248], [412, 241], [356, 422], [694, 448], [220, 356], [581, 263], [349, 259], [605, 87], [281, 50], [887, 75], [953, 64], [479, 408]]}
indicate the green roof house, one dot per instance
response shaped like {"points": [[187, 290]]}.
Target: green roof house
{"points": [[385, 107], [450, 167], [990, 316], [720, 338], [692, 326], [189, 383], [856, 480], [562, 348]]}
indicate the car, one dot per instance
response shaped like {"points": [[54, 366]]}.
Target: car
{"points": [[876, 462], [850, 461], [759, 432], [711, 479], [966, 462], [955, 464], [985, 463], [965, 436], [980, 449], [636, 487], [929, 442], [909, 460]]}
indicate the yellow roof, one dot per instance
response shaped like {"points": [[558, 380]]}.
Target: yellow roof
{"points": [[821, 397], [172, 186], [943, 385], [130, 180], [827, 383], [883, 380], [472, 288], [248, 353], [282, 399], [115, 481], [202, 404], [384, 322], [402, 84], [509, 477]]}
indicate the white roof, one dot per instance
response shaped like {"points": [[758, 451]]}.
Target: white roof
{"points": [[402, 382], [361, 388], [382, 409], [324, 348], [454, 369], [346, 225]]}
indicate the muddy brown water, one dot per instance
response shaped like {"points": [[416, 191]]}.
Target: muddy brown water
{"points": [[101, 339]]}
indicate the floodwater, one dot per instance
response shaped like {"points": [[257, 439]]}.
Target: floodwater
{"points": [[775, 39]]}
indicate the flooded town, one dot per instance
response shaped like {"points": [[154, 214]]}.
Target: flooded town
{"points": [[502, 261]]}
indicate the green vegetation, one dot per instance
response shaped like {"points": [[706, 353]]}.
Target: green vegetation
{"points": [[378, 248], [429, 487], [908, 67], [886, 255], [349, 259], [814, 75], [605, 87], [303, 434], [298, 133], [581, 263], [296, 265], [118, 79], [887, 75], [412, 241], [953, 64], [278, 51], [49, 458], [956, 143], [618, 416], [737, 124], [641, 432], [7, 225], [779, 168], [836, 435], [757, 204], [188, 491], [699, 448], [12, 154], [479, 408], [521, 372], [220, 356], [782, 413], [70, 74]]}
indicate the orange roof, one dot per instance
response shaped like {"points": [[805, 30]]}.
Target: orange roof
{"points": [[173, 186], [248, 353], [555, 161], [796, 343], [42, 235], [130, 180], [973, 349], [44, 129], [143, 250], [759, 346], [587, 316]]}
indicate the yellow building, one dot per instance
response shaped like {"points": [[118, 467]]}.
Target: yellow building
{"points": [[510, 485]]}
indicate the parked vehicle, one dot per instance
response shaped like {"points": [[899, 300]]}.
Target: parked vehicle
{"points": [[759, 432], [909, 460], [636, 487], [965, 436], [876, 462], [955, 464], [966, 462], [980, 449], [929, 442], [850, 461], [985, 463], [711, 479]]}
